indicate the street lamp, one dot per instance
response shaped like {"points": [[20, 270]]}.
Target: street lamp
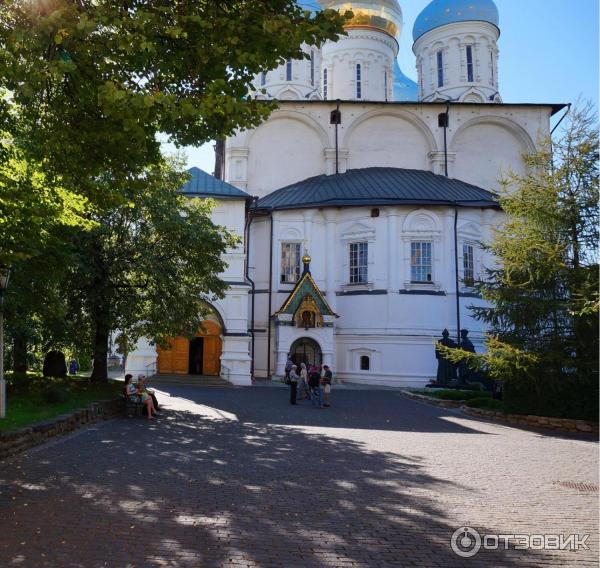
{"points": [[4, 276]]}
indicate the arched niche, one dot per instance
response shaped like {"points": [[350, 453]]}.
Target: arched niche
{"points": [[488, 148], [384, 138], [287, 148]]}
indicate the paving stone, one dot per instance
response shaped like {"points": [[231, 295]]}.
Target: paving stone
{"points": [[238, 477]]}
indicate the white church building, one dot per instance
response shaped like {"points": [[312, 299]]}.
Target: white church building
{"points": [[362, 201]]}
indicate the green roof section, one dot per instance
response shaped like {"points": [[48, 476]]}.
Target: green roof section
{"points": [[202, 184], [306, 286], [378, 186]]}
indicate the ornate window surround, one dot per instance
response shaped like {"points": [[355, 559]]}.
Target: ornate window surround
{"points": [[422, 226], [357, 233]]}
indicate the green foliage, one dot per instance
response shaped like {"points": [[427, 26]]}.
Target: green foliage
{"points": [[94, 82], [451, 394], [85, 88], [29, 399], [33, 205], [566, 397], [485, 402]]}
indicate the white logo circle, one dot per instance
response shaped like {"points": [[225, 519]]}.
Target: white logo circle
{"points": [[465, 542]]}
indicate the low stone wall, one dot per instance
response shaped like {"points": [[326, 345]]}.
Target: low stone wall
{"points": [[433, 401], [556, 424], [15, 441]]}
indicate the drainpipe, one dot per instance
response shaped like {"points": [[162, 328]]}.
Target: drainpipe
{"points": [[446, 122], [249, 219], [270, 298], [456, 273]]}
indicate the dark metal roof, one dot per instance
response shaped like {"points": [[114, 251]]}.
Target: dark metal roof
{"points": [[378, 186], [202, 184]]}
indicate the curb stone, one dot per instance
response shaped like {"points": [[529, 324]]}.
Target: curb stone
{"points": [[16, 441]]}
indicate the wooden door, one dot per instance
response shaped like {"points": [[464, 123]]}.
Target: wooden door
{"points": [[211, 332], [174, 360], [212, 355]]}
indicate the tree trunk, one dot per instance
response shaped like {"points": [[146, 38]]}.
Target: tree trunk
{"points": [[101, 334], [19, 354]]}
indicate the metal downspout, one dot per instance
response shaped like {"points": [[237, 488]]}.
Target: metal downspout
{"points": [[270, 298], [253, 287]]}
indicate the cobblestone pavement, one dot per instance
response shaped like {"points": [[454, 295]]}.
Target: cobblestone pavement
{"points": [[238, 477]]}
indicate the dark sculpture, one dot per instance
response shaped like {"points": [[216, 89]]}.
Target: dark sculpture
{"points": [[55, 364], [465, 374], [446, 371]]}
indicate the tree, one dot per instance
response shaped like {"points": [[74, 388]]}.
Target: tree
{"points": [[543, 293], [94, 82], [148, 266]]}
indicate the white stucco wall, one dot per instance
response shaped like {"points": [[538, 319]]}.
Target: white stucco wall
{"points": [[298, 141], [389, 319]]}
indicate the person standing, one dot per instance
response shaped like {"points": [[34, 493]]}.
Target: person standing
{"points": [[327, 380], [288, 367], [293, 384], [304, 389], [314, 381]]}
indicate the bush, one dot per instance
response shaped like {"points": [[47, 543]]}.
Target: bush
{"points": [[459, 394], [485, 402], [55, 365], [573, 397], [54, 393]]}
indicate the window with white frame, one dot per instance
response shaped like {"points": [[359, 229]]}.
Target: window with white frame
{"points": [[325, 84], [312, 67], [468, 264], [440, 68], [365, 363], [420, 261], [358, 81], [359, 261], [288, 70], [291, 254], [469, 64], [263, 79]]}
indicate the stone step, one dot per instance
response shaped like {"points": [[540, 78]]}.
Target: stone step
{"points": [[188, 380]]}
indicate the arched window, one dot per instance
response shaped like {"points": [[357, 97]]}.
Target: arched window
{"points": [[469, 64], [440, 68], [358, 82], [325, 84], [312, 67], [288, 70], [385, 85], [263, 78], [365, 363]]}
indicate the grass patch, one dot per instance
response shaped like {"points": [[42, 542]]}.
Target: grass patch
{"points": [[33, 398], [485, 403]]}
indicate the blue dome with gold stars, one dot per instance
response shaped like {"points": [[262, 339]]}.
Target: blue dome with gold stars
{"points": [[441, 12]]}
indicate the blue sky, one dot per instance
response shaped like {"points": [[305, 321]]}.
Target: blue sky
{"points": [[548, 54]]}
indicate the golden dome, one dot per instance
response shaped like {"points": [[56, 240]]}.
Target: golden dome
{"points": [[383, 15], [306, 259]]}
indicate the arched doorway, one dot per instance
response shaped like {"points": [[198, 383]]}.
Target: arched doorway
{"points": [[199, 356], [306, 350]]}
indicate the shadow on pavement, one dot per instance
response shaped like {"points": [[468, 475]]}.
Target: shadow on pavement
{"points": [[201, 489]]}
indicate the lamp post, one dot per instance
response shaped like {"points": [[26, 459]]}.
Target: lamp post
{"points": [[4, 275]]}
